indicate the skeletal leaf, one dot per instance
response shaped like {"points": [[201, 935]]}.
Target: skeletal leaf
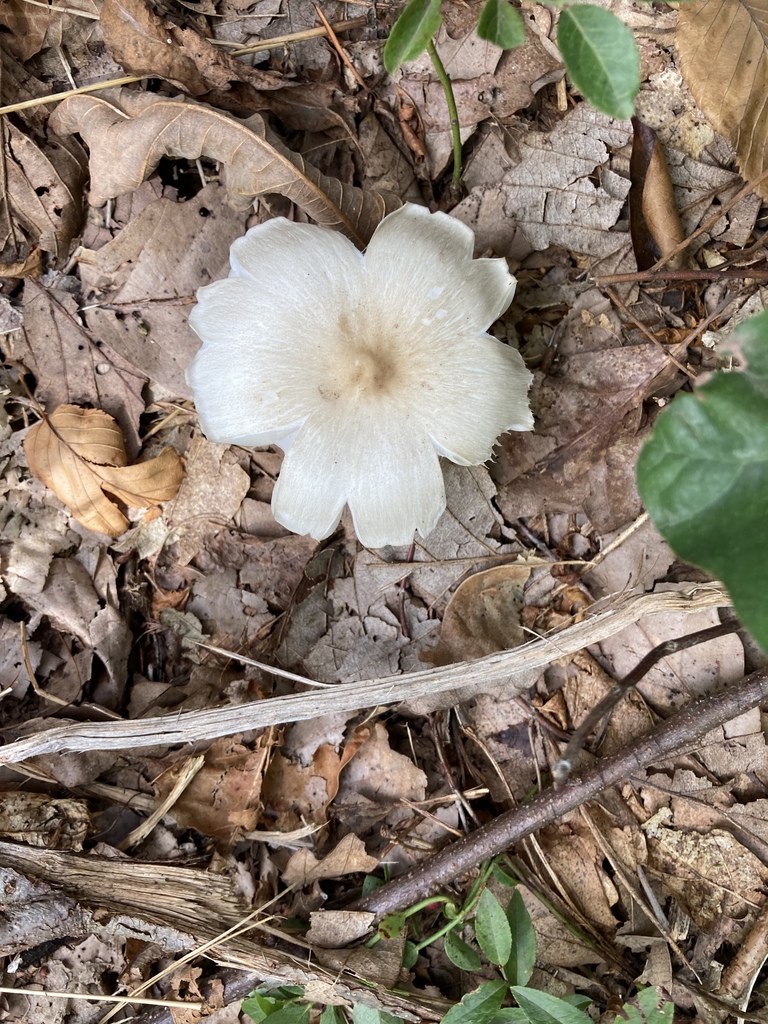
{"points": [[127, 145], [80, 454], [723, 51]]}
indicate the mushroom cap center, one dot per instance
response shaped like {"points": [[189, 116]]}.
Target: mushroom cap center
{"points": [[365, 363]]}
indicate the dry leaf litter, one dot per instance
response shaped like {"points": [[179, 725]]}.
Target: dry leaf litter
{"points": [[171, 806]]}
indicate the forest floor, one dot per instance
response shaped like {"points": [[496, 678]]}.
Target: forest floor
{"points": [[174, 813]]}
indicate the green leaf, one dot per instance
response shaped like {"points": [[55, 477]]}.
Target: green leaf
{"points": [[648, 999], [502, 877], [492, 929], [478, 1007], [703, 477], [391, 925], [291, 1013], [370, 1015], [410, 955], [332, 1015], [519, 966], [509, 1015], [543, 1008], [270, 1005], [459, 953], [253, 1009], [370, 884], [501, 24], [601, 58], [411, 32]]}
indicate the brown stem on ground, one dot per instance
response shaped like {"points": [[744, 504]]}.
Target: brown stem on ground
{"points": [[680, 733], [629, 682], [650, 276]]}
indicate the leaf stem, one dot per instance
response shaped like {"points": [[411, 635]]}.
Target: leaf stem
{"points": [[453, 114]]}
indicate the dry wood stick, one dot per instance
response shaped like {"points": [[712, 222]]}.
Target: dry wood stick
{"points": [[678, 734]]}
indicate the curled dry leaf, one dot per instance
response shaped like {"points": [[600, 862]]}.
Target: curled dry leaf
{"points": [[44, 189], [80, 454], [723, 50], [654, 221], [126, 149], [146, 44]]}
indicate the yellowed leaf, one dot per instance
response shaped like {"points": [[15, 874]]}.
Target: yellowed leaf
{"points": [[80, 454], [723, 50], [127, 144]]}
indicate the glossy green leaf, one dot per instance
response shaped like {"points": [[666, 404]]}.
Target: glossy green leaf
{"points": [[492, 929], [411, 32], [522, 957], [478, 1007], [601, 58], [509, 1015], [544, 1008], [501, 24], [703, 477], [460, 954]]}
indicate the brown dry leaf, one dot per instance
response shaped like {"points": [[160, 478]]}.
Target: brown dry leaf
{"points": [[223, 798], [146, 44], [69, 367], [543, 193], [654, 222], [588, 412], [332, 929], [39, 819], [483, 616], [723, 51], [32, 29], [681, 677], [711, 876], [80, 453], [254, 161], [44, 186], [347, 858], [146, 278]]}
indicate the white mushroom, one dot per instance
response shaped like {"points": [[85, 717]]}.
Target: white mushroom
{"points": [[363, 369]]}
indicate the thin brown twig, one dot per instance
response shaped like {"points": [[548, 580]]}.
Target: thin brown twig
{"points": [[335, 42], [629, 682], [680, 733], [649, 277], [649, 334], [710, 221]]}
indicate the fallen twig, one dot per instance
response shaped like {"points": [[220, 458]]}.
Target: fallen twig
{"points": [[677, 735], [485, 674]]}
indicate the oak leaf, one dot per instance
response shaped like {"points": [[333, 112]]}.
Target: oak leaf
{"points": [[723, 50], [80, 455], [127, 145]]}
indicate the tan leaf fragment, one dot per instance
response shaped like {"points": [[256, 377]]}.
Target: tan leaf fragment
{"points": [[80, 454], [723, 51], [39, 819], [127, 144], [44, 188], [146, 44], [332, 929], [222, 798], [347, 858], [483, 616]]}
